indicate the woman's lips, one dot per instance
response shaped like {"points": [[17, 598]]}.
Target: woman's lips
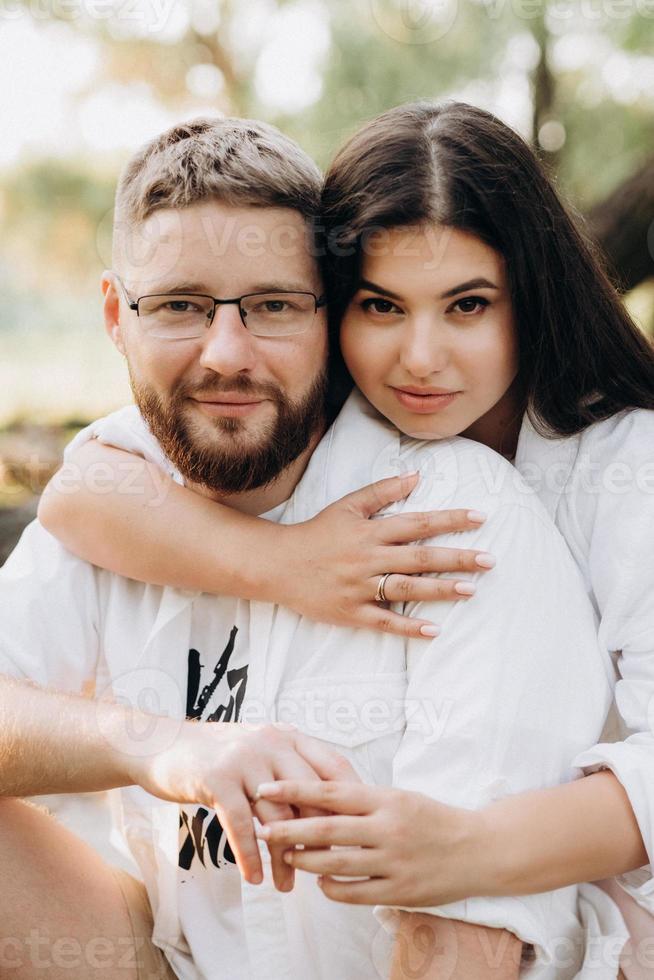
{"points": [[425, 403]]}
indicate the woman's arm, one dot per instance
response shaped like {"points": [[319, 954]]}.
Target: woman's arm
{"points": [[416, 852], [581, 831], [125, 514]]}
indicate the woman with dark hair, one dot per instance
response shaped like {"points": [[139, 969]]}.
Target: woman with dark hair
{"points": [[450, 260], [467, 303]]}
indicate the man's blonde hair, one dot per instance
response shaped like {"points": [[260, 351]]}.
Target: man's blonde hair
{"points": [[239, 162]]}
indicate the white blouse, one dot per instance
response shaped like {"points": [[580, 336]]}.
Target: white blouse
{"points": [[598, 487]]}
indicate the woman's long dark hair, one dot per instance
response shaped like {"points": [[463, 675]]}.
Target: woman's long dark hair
{"points": [[581, 356]]}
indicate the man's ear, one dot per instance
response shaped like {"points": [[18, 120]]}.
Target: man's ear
{"points": [[111, 309]]}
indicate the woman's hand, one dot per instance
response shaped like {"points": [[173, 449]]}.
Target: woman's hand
{"points": [[409, 850], [338, 557], [220, 767]]}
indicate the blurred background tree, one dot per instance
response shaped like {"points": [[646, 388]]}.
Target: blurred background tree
{"points": [[86, 81]]}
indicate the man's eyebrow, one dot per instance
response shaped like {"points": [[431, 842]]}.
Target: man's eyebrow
{"points": [[178, 287], [463, 287], [282, 287], [203, 289]]}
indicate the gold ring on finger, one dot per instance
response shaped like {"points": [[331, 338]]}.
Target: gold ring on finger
{"points": [[380, 594]]}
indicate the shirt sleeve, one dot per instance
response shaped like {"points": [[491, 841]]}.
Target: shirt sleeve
{"points": [[48, 615], [508, 694], [125, 429], [616, 515]]}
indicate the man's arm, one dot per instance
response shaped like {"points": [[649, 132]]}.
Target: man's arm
{"points": [[51, 742], [430, 948], [61, 743]]}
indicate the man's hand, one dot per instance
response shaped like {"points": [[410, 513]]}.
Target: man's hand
{"points": [[221, 765], [51, 742]]}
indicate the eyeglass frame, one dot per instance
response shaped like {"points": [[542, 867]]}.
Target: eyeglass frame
{"points": [[318, 302]]}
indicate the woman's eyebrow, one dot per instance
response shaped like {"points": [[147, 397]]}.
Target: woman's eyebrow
{"points": [[374, 288], [479, 283], [463, 287]]}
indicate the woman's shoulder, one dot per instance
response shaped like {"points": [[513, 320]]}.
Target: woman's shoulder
{"points": [[616, 455], [627, 433], [612, 486]]}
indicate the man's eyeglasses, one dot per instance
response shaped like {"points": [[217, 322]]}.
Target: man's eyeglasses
{"points": [[187, 316]]}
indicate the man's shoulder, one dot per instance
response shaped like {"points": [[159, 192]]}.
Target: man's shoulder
{"points": [[41, 566], [38, 553], [460, 472], [124, 429]]}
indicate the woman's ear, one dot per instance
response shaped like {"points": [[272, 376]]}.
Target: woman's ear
{"points": [[111, 311]]}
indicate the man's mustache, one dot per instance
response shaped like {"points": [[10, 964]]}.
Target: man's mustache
{"points": [[241, 385]]}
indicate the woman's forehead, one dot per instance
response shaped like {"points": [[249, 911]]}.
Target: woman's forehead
{"points": [[432, 253]]}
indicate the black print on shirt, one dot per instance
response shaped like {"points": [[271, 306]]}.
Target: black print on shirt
{"points": [[203, 841], [196, 707], [201, 833]]}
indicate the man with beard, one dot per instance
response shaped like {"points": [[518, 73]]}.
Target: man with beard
{"points": [[215, 301], [170, 662]]}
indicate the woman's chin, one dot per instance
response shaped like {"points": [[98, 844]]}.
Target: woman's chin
{"points": [[425, 427]]}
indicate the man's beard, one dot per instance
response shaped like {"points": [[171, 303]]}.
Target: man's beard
{"points": [[229, 468]]}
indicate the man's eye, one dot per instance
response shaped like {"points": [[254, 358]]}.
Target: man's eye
{"points": [[470, 305], [181, 306], [379, 306]]}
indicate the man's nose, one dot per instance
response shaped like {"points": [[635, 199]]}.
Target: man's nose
{"points": [[228, 345], [424, 349]]}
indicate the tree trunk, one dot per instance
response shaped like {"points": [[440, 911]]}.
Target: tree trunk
{"points": [[623, 225], [544, 92]]}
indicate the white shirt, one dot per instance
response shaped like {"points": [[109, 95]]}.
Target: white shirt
{"points": [[513, 689], [598, 487]]}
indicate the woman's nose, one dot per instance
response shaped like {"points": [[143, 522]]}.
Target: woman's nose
{"points": [[424, 348]]}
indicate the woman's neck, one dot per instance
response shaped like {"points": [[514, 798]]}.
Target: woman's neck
{"points": [[499, 428]]}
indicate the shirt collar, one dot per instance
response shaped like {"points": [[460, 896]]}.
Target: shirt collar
{"points": [[546, 464]]}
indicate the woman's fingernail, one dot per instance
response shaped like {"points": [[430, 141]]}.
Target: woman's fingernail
{"points": [[465, 588], [476, 516], [485, 561], [288, 857], [430, 630], [267, 789], [256, 878], [263, 833]]}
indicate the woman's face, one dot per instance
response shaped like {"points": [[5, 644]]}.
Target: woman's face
{"points": [[429, 336]]}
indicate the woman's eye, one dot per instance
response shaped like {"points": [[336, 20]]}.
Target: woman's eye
{"points": [[380, 306], [470, 304]]}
